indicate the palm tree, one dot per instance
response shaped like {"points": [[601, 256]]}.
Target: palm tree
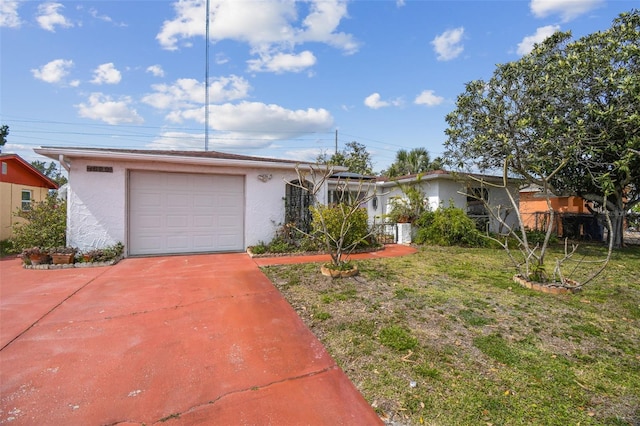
{"points": [[415, 161]]}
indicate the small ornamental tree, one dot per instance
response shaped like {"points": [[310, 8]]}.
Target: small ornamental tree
{"points": [[340, 228], [531, 262], [45, 225]]}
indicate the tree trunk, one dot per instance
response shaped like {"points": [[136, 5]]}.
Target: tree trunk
{"points": [[617, 233]]}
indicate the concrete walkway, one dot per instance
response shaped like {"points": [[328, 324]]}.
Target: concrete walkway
{"points": [[198, 339]]}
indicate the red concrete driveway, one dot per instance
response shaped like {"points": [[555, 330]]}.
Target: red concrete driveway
{"points": [[201, 339]]}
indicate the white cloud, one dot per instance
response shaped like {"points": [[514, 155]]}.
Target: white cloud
{"points": [[374, 101], [94, 12], [221, 59], [103, 107], [255, 124], [428, 98], [156, 70], [400, 3], [309, 154], [54, 71], [106, 74], [542, 33], [269, 28], [321, 24], [283, 62], [189, 93], [567, 9], [178, 141], [448, 45], [9, 17], [49, 17]]}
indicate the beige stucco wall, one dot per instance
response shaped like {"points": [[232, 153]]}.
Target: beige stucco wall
{"points": [[10, 201]]}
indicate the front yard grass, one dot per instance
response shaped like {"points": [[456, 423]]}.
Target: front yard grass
{"points": [[445, 337]]}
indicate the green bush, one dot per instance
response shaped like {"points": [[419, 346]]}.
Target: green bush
{"points": [[6, 248], [448, 226], [353, 229], [260, 248], [46, 225], [537, 237], [280, 245]]}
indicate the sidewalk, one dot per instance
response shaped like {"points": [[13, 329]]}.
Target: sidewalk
{"points": [[390, 250]]}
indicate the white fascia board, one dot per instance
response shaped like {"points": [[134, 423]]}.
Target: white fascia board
{"points": [[414, 179], [69, 154]]}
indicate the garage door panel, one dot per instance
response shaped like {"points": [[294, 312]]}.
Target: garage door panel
{"points": [[182, 213], [204, 201], [178, 200], [180, 221], [179, 243], [149, 200], [203, 221], [203, 241]]}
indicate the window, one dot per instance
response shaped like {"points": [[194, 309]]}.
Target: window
{"points": [[26, 199], [342, 195], [297, 203]]}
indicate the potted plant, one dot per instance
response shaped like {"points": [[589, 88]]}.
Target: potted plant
{"points": [[63, 255], [35, 255]]}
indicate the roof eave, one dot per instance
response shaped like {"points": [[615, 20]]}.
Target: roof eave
{"points": [[70, 153]]}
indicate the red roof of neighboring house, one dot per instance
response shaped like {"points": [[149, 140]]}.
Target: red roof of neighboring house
{"points": [[15, 170]]}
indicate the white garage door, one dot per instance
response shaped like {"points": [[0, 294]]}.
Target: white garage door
{"points": [[185, 213]]}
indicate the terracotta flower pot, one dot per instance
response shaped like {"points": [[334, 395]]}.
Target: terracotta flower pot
{"points": [[336, 273], [60, 259], [36, 259]]}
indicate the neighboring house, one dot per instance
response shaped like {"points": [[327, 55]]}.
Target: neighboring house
{"points": [[572, 216], [20, 185], [166, 202], [440, 188]]}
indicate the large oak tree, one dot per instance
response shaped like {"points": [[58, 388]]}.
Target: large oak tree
{"points": [[569, 103]]}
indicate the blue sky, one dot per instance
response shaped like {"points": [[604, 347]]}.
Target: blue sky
{"points": [[283, 75]]}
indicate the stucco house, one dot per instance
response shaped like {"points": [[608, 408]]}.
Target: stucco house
{"points": [[169, 202], [440, 187], [20, 185], [573, 216]]}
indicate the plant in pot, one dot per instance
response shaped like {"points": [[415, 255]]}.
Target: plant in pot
{"points": [[106, 254], [408, 207], [35, 256], [63, 255]]}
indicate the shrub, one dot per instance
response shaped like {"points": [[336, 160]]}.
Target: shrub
{"points": [[280, 245], [260, 248], [46, 225], [537, 237], [353, 228], [6, 248], [448, 226]]}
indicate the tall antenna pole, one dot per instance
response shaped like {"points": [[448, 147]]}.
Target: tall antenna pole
{"points": [[206, 81], [336, 141]]}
